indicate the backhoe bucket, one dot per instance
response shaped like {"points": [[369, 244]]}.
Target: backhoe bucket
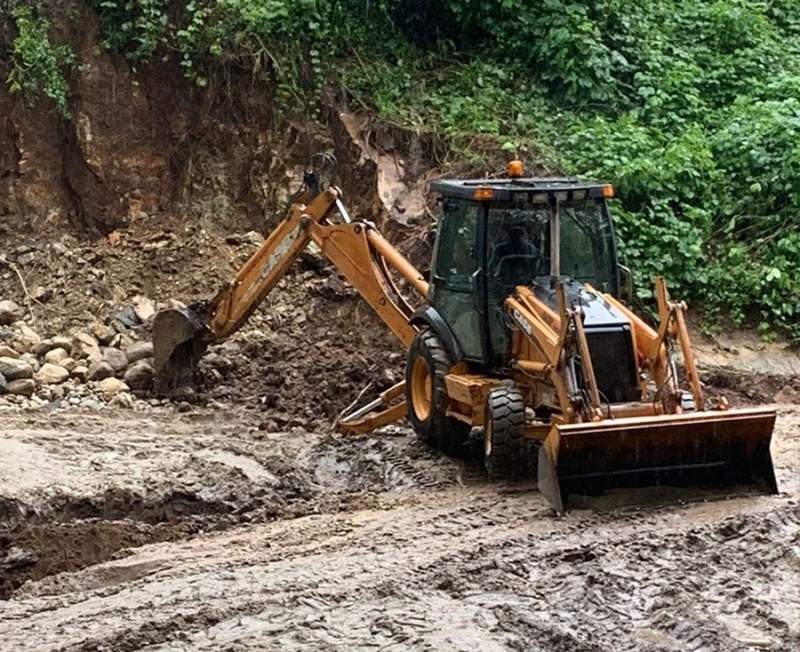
{"points": [[712, 449], [178, 344]]}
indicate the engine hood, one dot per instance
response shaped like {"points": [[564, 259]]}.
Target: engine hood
{"points": [[599, 312]]}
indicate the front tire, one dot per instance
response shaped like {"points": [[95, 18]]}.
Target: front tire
{"points": [[504, 432], [426, 395]]}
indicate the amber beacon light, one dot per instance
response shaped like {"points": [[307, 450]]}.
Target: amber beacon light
{"points": [[515, 169]]}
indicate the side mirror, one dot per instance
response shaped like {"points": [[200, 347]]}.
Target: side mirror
{"points": [[625, 284]]}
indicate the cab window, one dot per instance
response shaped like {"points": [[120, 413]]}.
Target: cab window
{"points": [[456, 260]]}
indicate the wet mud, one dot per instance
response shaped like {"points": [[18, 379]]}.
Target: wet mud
{"points": [[195, 532]]}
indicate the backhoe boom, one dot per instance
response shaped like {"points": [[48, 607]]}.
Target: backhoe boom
{"points": [[356, 249]]}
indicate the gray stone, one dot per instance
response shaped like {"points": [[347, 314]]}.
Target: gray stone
{"points": [[68, 363], [10, 312], [14, 369], [51, 374], [25, 339], [143, 307], [103, 333], [139, 351], [139, 375], [125, 319], [22, 387], [115, 358], [81, 372], [32, 360], [62, 342], [7, 352], [3, 384], [86, 347], [100, 371], [55, 356], [112, 386]]}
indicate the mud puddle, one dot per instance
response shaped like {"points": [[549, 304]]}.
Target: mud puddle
{"points": [[330, 543]]}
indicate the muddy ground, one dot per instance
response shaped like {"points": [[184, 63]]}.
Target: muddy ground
{"points": [[200, 531]]}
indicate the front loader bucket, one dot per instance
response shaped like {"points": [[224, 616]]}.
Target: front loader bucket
{"points": [[178, 345], [695, 449]]}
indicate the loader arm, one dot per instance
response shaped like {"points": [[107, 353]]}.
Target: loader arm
{"points": [[356, 249], [594, 443]]}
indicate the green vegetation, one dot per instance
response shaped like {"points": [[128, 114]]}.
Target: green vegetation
{"points": [[37, 66], [691, 108]]}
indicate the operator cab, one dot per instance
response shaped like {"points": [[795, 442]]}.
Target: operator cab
{"points": [[496, 234]]}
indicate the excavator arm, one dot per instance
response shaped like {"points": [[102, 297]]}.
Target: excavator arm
{"points": [[356, 249]]}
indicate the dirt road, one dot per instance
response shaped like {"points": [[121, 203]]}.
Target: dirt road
{"points": [[192, 532]]}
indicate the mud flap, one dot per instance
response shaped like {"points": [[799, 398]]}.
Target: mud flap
{"points": [[715, 449], [178, 345]]}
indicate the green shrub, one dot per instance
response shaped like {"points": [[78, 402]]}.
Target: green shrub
{"points": [[689, 107], [37, 66]]}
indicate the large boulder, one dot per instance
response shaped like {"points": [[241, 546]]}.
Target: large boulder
{"points": [[10, 313], [56, 356], [3, 384], [22, 387], [100, 371], [115, 358], [7, 352], [14, 369], [86, 347], [51, 374], [111, 387], [139, 375], [139, 351]]}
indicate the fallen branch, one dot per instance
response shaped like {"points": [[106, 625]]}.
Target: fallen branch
{"points": [[28, 299]]}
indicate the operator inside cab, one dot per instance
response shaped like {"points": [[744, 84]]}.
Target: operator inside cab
{"points": [[516, 257]]}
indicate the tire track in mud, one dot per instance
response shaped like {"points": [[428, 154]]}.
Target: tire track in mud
{"points": [[428, 563], [457, 568]]}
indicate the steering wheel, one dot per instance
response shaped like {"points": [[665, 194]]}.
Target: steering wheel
{"points": [[532, 267]]}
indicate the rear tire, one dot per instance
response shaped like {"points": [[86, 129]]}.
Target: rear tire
{"points": [[504, 433], [426, 395]]}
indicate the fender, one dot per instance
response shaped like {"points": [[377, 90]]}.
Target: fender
{"points": [[430, 317]]}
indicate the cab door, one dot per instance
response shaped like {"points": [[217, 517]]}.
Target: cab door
{"points": [[456, 267]]}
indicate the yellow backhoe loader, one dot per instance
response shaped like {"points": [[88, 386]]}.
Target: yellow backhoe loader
{"points": [[523, 331]]}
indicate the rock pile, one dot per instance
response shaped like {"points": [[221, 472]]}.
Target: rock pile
{"points": [[107, 363]]}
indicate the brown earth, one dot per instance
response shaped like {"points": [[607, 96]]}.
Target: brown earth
{"points": [[242, 521], [201, 532]]}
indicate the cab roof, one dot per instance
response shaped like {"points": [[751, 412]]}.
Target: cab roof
{"points": [[504, 188]]}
